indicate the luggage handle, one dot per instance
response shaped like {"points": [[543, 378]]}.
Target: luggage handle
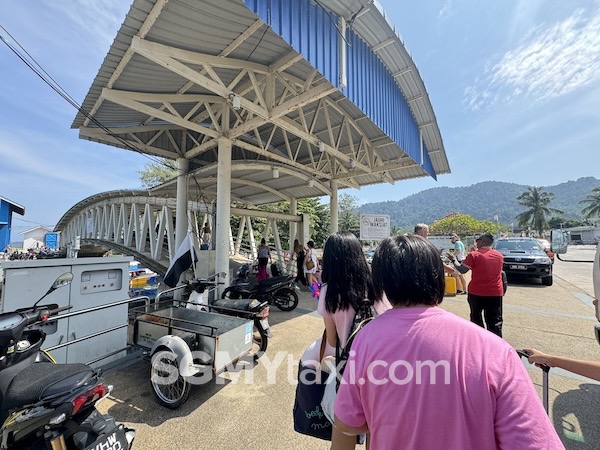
{"points": [[524, 354], [546, 369]]}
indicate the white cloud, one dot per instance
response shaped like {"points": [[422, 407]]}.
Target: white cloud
{"points": [[98, 18], [60, 163], [548, 63], [446, 10]]}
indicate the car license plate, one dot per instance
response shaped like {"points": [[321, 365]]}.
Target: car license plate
{"points": [[264, 323], [113, 441], [518, 267]]}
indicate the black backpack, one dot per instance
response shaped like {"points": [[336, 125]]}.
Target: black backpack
{"points": [[362, 317]]}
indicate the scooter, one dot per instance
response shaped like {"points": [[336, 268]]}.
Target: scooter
{"points": [[253, 309], [279, 291], [47, 405]]}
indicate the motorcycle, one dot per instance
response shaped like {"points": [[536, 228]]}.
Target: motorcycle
{"points": [[279, 291], [253, 309], [45, 405]]}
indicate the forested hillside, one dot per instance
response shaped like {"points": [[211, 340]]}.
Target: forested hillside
{"points": [[482, 201]]}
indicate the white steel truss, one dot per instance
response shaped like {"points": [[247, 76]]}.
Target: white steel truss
{"points": [[144, 225], [316, 136]]}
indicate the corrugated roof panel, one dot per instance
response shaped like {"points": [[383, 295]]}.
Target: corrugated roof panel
{"points": [[308, 28], [370, 87], [210, 26]]}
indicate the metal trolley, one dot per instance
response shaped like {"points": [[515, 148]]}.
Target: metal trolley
{"points": [[186, 346]]}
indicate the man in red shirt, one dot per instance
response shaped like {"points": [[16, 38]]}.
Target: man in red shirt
{"points": [[485, 289]]}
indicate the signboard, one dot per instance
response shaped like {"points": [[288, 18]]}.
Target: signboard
{"points": [[374, 227]]}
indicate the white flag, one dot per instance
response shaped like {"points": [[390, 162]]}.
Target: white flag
{"points": [[185, 256]]}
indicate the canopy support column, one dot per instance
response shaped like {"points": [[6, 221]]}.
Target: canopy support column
{"points": [[293, 225], [223, 208], [333, 206], [181, 211]]}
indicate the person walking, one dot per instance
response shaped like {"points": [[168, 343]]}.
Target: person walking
{"points": [[422, 230], [312, 261], [459, 255], [420, 377], [486, 287], [206, 234], [300, 253], [346, 282], [264, 254]]}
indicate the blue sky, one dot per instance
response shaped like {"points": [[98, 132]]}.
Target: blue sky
{"points": [[515, 86]]}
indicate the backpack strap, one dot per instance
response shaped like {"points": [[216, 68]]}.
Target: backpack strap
{"points": [[362, 316]]}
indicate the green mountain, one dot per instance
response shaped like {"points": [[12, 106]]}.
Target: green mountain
{"points": [[482, 201]]}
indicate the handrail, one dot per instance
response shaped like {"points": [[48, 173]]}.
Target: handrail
{"points": [[96, 308], [89, 336], [146, 300]]}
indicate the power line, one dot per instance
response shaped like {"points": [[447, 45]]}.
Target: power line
{"points": [[28, 221], [30, 62]]}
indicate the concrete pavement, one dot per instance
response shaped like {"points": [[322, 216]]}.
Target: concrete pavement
{"points": [[245, 409]]}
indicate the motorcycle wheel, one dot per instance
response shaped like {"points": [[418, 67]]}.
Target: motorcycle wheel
{"points": [[286, 299], [260, 340], [170, 390], [230, 294]]}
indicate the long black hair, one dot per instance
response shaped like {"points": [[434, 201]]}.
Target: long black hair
{"points": [[346, 272], [409, 270]]}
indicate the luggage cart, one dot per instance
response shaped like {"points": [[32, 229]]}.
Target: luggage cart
{"points": [[186, 346]]}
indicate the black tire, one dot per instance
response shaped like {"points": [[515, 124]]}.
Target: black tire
{"points": [[286, 299], [547, 281], [171, 393], [230, 294], [260, 341]]}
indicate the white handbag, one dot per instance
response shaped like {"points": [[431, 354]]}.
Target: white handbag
{"points": [[329, 395]]}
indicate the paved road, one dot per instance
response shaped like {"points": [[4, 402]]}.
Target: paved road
{"points": [[246, 409]]}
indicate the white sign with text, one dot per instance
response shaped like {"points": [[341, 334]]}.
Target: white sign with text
{"points": [[374, 227]]}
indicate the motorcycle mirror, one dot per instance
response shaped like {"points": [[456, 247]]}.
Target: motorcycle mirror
{"points": [[222, 275], [63, 280]]}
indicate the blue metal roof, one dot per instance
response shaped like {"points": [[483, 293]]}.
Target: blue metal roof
{"points": [[378, 126], [313, 32]]}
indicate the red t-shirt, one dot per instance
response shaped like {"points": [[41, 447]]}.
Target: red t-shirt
{"points": [[486, 272]]}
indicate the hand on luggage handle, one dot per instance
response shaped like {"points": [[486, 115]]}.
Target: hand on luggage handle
{"points": [[524, 354]]}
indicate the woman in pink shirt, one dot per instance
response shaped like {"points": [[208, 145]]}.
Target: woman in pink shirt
{"points": [[419, 377]]}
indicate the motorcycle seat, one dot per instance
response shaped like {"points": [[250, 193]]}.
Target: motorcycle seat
{"points": [[241, 304], [269, 282], [44, 380]]}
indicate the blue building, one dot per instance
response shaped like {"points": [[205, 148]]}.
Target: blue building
{"points": [[7, 207]]}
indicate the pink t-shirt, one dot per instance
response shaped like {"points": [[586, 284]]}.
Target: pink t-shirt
{"points": [[438, 381]]}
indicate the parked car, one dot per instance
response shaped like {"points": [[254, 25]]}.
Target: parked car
{"points": [[547, 248], [525, 257]]}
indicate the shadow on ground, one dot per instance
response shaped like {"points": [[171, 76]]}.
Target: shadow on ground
{"points": [[135, 402], [576, 416]]}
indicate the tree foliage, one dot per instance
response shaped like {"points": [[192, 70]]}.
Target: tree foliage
{"points": [[348, 219], [482, 201], [537, 203], [318, 213], [592, 210], [156, 173], [556, 222], [463, 225]]}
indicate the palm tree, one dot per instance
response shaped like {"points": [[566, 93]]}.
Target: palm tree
{"points": [[593, 204], [537, 201]]}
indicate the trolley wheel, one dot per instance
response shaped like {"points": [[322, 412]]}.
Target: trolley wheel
{"points": [[170, 388]]}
